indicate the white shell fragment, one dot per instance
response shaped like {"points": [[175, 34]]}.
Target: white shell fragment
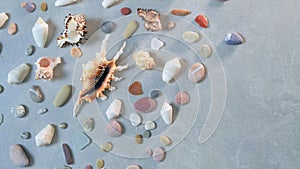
{"points": [[45, 67], [166, 113], [40, 32], [108, 3], [45, 136], [64, 2], [143, 59], [114, 109], [156, 44], [18, 74], [190, 36], [135, 119], [171, 69], [3, 19]]}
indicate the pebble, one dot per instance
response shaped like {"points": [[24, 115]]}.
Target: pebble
{"points": [[135, 88], [42, 111], [36, 94], [166, 113], [3, 18], [88, 167], [156, 44], [18, 74], [88, 124], [147, 134], [150, 125], [62, 96], [25, 135], [165, 140], [125, 11], [190, 36], [130, 29], [170, 25], [28, 6], [135, 119], [1, 118], [44, 6], [139, 139], [234, 38], [182, 98], [133, 167], [205, 51], [100, 163], [81, 140], [76, 52], [196, 72], [155, 94], [19, 111], [29, 50], [114, 109], [65, 167], [106, 147], [68, 154], [149, 152], [113, 129], [12, 29], [145, 105], [202, 21], [158, 154], [108, 27], [63, 125], [18, 155], [180, 12], [1, 89]]}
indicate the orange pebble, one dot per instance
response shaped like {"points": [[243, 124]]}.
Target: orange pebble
{"points": [[180, 12]]}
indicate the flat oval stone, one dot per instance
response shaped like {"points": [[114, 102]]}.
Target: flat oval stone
{"points": [[158, 154], [113, 129], [36, 94], [62, 96], [202, 21], [196, 72], [63, 125], [28, 6], [68, 154], [139, 139], [135, 119], [147, 134], [100, 163], [135, 88], [205, 51], [88, 124], [42, 111], [76, 52], [29, 50], [155, 94], [108, 27], [182, 98], [190, 36], [44, 6], [150, 125], [125, 11], [18, 156], [145, 105], [106, 147], [165, 140], [19, 111], [234, 38], [130, 29], [133, 167], [81, 140], [25, 135], [149, 152], [12, 29]]}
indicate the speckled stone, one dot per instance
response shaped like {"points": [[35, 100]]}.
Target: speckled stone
{"points": [[12, 29], [28, 6], [138, 139], [18, 111], [18, 156], [155, 94], [108, 27], [133, 167], [29, 50], [113, 129], [44, 6], [88, 124], [100, 163], [196, 73], [36, 94], [106, 147], [182, 98], [147, 134], [125, 11], [145, 105], [165, 140], [68, 154], [158, 154], [25, 135], [81, 140]]}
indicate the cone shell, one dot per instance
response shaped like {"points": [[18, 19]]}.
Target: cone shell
{"points": [[45, 136], [40, 32]]}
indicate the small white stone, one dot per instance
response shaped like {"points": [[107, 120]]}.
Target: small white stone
{"points": [[3, 19], [156, 44], [42, 111], [205, 51], [190, 36], [135, 119], [166, 113], [114, 109], [108, 3], [150, 125]]}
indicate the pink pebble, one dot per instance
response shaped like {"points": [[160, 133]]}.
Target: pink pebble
{"points": [[113, 129], [182, 98], [88, 167], [125, 11], [145, 105], [159, 154]]}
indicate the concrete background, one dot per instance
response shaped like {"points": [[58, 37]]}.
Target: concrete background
{"points": [[259, 128]]}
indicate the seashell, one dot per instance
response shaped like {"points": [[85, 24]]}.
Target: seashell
{"points": [[64, 2], [3, 19], [190, 36], [12, 29], [156, 44], [166, 113], [196, 72], [155, 94], [171, 69], [28, 6], [180, 12], [109, 3], [100, 163], [25, 135], [45, 67], [63, 125], [147, 134], [151, 18], [40, 32], [143, 60], [75, 30], [94, 80], [130, 29], [114, 109], [88, 124], [205, 51], [18, 74], [234, 39], [202, 21], [138, 139], [45, 136], [149, 152], [36, 94], [165, 140]]}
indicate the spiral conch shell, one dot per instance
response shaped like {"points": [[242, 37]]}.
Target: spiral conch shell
{"points": [[143, 60], [97, 75], [45, 67]]}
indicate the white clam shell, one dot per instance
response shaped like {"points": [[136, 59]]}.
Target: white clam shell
{"points": [[45, 136], [64, 2], [108, 3], [171, 69], [114, 109], [40, 32], [166, 113], [18, 74], [3, 19]]}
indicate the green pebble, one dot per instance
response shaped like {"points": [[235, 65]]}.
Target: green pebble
{"points": [[62, 96], [100, 163], [1, 88], [147, 134]]}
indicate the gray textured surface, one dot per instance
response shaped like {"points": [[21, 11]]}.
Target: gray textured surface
{"points": [[259, 128]]}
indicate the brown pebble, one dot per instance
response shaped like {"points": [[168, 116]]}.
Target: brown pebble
{"points": [[76, 52], [135, 88], [44, 6], [12, 29], [68, 154], [125, 11], [182, 98], [180, 12], [139, 139]]}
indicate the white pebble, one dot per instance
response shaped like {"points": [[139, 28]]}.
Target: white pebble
{"points": [[135, 119], [190, 36], [150, 125], [156, 44]]}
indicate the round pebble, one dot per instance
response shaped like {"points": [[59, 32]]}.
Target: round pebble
{"points": [[145, 105], [12, 29], [76, 52], [44, 6], [190, 36], [113, 129], [133, 167], [108, 26], [125, 11], [28, 6], [100, 163], [139, 139], [63, 125], [29, 50], [88, 167], [196, 72], [182, 98], [135, 88], [88, 124], [106, 147], [170, 25], [165, 140], [19, 111], [25, 135], [42, 111], [155, 94], [158, 154], [135, 119], [36, 94], [150, 125], [1, 89], [18, 156], [205, 51], [147, 134], [149, 152]]}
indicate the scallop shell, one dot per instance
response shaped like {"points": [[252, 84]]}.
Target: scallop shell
{"points": [[45, 67], [143, 60], [45, 136], [75, 30], [171, 69], [40, 32], [151, 18]]}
